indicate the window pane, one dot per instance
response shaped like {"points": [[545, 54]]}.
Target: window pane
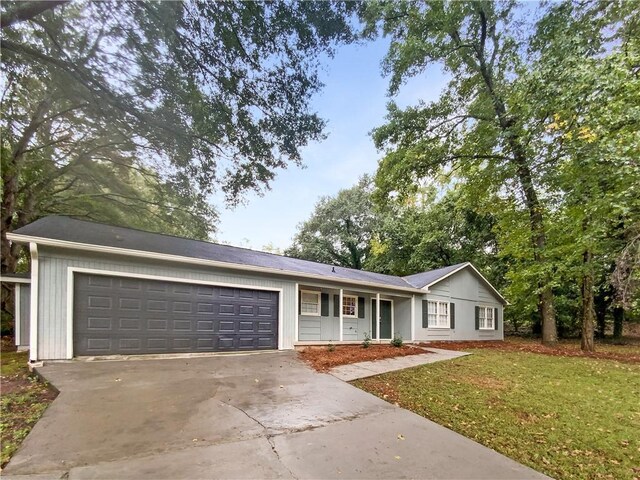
{"points": [[349, 306], [432, 307]]}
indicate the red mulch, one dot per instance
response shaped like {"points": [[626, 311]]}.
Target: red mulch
{"points": [[534, 346], [323, 359]]}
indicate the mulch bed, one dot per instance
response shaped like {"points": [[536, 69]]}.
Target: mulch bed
{"points": [[323, 358], [534, 346]]}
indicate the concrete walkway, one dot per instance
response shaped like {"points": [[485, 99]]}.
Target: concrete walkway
{"points": [[355, 371], [254, 416]]}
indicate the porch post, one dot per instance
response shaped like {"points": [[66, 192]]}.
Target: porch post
{"points": [[295, 334], [378, 316], [413, 318], [341, 317]]}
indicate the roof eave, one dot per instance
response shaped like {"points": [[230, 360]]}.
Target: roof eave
{"points": [[20, 238]]}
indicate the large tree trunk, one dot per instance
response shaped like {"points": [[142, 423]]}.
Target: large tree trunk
{"points": [[512, 138], [618, 320], [588, 313]]}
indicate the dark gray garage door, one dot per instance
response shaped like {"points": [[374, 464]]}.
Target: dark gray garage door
{"points": [[118, 315]]}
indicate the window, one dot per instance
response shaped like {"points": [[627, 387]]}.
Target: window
{"points": [[485, 318], [310, 303], [349, 306], [438, 314]]}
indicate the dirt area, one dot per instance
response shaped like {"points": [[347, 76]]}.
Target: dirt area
{"points": [[23, 399], [621, 353], [324, 358]]}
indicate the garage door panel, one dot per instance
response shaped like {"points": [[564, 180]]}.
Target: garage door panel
{"points": [[135, 316]]}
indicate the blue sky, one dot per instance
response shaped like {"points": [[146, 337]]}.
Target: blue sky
{"points": [[352, 102]]}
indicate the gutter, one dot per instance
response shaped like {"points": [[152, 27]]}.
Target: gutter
{"points": [[18, 238]]}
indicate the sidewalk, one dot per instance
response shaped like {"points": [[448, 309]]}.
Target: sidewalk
{"points": [[355, 371]]}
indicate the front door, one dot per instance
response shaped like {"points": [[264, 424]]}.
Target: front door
{"points": [[386, 320]]}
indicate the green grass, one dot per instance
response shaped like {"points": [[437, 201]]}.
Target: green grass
{"points": [[23, 400], [571, 418]]}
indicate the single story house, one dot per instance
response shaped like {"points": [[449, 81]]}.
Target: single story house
{"points": [[103, 290]]}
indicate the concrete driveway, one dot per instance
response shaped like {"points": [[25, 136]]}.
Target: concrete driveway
{"points": [[252, 416]]}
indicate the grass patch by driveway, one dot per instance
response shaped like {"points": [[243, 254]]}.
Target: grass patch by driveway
{"points": [[23, 400], [568, 417]]}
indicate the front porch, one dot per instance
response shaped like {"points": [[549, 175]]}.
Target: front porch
{"points": [[347, 315]]}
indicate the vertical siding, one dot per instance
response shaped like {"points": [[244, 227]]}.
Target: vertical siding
{"points": [[466, 291], [25, 306], [52, 304]]}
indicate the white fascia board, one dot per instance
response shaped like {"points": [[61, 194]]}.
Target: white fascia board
{"points": [[15, 280], [468, 264], [14, 237]]}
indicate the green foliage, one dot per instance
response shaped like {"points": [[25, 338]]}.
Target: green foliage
{"points": [[331, 347], [536, 134], [397, 341], [366, 343], [340, 228], [502, 400]]}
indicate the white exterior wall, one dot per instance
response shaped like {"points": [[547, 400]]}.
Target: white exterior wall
{"points": [[467, 291], [53, 302]]}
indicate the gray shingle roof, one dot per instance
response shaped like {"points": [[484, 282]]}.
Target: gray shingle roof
{"points": [[422, 279], [80, 231]]}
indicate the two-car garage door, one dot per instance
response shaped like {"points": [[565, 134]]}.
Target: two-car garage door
{"points": [[123, 315]]}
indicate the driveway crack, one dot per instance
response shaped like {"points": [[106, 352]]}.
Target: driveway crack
{"points": [[268, 436]]}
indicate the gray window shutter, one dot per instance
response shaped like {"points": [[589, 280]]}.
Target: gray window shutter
{"points": [[336, 305], [360, 307], [477, 318], [425, 314], [495, 318], [452, 315], [324, 304]]}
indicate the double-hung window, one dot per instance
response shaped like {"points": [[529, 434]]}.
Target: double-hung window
{"points": [[438, 314], [310, 303], [349, 306], [486, 318]]}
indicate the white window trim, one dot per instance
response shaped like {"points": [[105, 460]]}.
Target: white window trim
{"points": [[318, 295], [493, 319], [355, 315], [437, 326]]}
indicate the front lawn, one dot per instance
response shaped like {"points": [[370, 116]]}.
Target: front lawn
{"points": [[568, 417], [23, 400]]}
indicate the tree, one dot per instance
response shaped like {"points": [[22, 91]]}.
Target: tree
{"points": [[473, 129], [134, 115], [339, 230], [585, 86], [427, 232], [202, 95]]}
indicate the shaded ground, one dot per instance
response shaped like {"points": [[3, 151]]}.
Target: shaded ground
{"points": [[567, 416], [23, 400], [325, 358], [567, 348]]}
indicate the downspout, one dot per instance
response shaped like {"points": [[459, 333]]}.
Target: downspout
{"points": [[33, 322]]}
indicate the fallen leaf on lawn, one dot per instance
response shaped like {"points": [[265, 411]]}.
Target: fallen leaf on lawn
{"points": [[400, 436]]}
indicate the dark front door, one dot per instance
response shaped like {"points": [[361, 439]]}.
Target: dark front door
{"points": [[385, 319], [120, 315]]}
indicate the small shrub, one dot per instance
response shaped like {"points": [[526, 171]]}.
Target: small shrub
{"points": [[331, 347], [367, 340], [397, 340]]}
